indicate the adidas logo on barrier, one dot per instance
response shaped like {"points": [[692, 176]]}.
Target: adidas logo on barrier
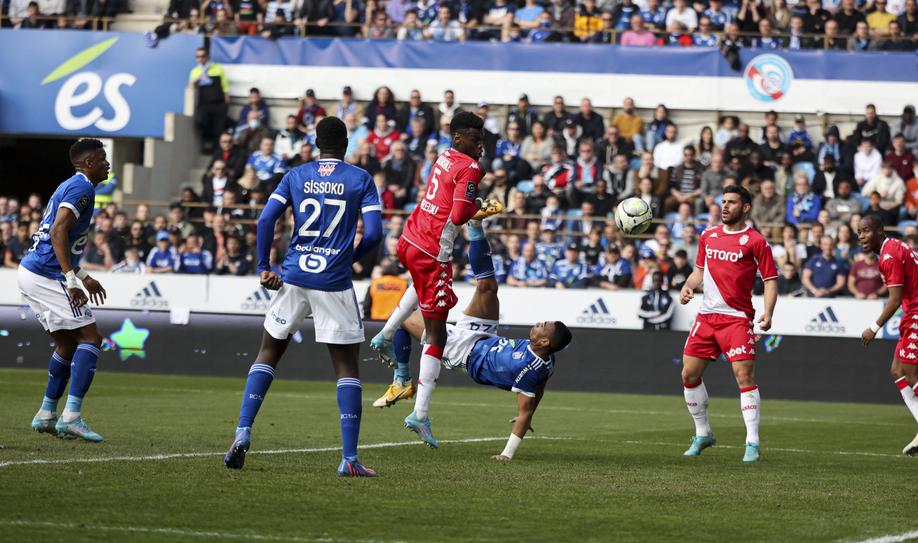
{"points": [[149, 297], [826, 322], [597, 313], [258, 300]]}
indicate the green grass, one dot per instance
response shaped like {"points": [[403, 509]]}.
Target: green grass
{"points": [[618, 474]]}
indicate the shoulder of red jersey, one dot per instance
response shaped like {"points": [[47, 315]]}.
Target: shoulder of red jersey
{"points": [[711, 231]]}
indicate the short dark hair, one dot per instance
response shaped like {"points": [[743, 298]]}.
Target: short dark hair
{"points": [[331, 134], [681, 253], [560, 338], [873, 222], [744, 195], [465, 120], [83, 147]]}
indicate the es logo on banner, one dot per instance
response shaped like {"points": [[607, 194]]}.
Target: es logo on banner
{"points": [[81, 88], [768, 77]]}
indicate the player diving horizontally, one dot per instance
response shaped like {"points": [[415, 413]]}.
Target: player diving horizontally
{"points": [[472, 345], [327, 197], [899, 269], [425, 248], [49, 279], [729, 255]]}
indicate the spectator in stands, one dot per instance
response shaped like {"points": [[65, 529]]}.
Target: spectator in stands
{"points": [[872, 128], [528, 270], [249, 137], [681, 13], [288, 141], [864, 281], [232, 261], [832, 40], [249, 15], [630, 125], [705, 36], [591, 124], [527, 17], [212, 95], [378, 27], [825, 182], [875, 207], [889, 186], [911, 194], [907, 125], [768, 208], [900, 157], [268, 165], [802, 206], [310, 110], [788, 281], [815, 18], [17, 246], [347, 106], [772, 148], [401, 173], [611, 145], [618, 179], [397, 10], [908, 19], [523, 115], [680, 271], [741, 146], [861, 40], [824, 275], [306, 154], [383, 103], [234, 156], [638, 35], [586, 168], [878, 20], [444, 28], [867, 162], [895, 41], [254, 102], [137, 240], [614, 272], [215, 182], [588, 20], [646, 192], [570, 271], [656, 130], [799, 133], [536, 147], [555, 118], [177, 221], [411, 28], [194, 259], [657, 305], [415, 108], [848, 16], [132, 263], [668, 153], [685, 182], [831, 145], [548, 248], [606, 32], [98, 255], [382, 137], [31, 19]]}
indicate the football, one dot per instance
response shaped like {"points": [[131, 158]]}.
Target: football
{"points": [[633, 216]]}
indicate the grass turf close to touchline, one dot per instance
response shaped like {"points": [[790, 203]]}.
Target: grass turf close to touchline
{"points": [[618, 474]]}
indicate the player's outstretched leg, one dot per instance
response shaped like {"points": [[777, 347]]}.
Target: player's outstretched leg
{"points": [[479, 251], [82, 371], [382, 342], [487, 207], [257, 383], [401, 388], [910, 396], [45, 420]]}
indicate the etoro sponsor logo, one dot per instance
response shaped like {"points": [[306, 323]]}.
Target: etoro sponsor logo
{"points": [[258, 300], [826, 322], [597, 313], [150, 297], [726, 256]]}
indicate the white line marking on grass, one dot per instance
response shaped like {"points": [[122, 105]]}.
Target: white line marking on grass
{"points": [[174, 532], [891, 538], [170, 456], [779, 449]]}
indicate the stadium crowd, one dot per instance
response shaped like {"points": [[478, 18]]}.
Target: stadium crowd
{"points": [[853, 25], [560, 172]]}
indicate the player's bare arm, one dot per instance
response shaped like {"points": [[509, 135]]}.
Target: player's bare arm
{"points": [[692, 283], [271, 280], [892, 305], [60, 241], [97, 294], [771, 298], [526, 406]]}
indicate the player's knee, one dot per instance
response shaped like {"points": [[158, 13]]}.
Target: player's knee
{"points": [[690, 377], [486, 286], [90, 336], [896, 371], [745, 377]]}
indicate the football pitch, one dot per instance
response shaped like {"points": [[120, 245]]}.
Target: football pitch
{"points": [[600, 467]]}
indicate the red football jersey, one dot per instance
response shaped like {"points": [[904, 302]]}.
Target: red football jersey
{"points": [[730, 261], [899, 267], [453, 179]]}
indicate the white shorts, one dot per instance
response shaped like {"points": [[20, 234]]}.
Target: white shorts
{"points": [[50, 302], [336, 314], [462, 337]]}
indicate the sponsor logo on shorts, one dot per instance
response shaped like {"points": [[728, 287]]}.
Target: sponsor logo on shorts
{"points": [[258, 300], [826, 322], [597, 313], [277, 318], [150, 297], [736, 351]]}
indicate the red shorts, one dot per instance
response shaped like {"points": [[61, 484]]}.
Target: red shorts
{"points": [[433, 281], [712, 335], [907, 346]]}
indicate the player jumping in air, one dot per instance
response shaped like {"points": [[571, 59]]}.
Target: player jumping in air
{"points": [[729, 255], [425, 249], [472, 345], [49, 279], [327, 197], [899, 268]]}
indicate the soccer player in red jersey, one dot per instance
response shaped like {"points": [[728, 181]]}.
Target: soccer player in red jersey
{"points": [[899, 268], [425, 248], [729, 256]]}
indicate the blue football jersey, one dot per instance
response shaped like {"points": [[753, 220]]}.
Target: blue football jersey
{"points": [[327, 196], [508, 364], [78, 195]]}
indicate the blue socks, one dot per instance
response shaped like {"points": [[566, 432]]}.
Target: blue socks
{"points": [[256, 386], [82, 370], [401, 341], [480, 257], [349, 405], [58, 375]]}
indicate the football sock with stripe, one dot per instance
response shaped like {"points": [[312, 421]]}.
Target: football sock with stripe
{"points": [[427, 379], [349, 405], [401, 341], [480, 255], [909, 395], [750, 404], [82, 371], [696, 400], [58, 375], [256, 387], [403, 310]]}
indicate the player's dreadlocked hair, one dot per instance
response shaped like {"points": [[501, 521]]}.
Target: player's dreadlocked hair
{"points": [[83, 146], [465, 120], [331, 134], [561, 337]]}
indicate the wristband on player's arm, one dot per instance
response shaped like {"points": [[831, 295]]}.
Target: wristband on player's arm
{"points": [[512, 445], [875, 328], [82, 274], [71, 279]]}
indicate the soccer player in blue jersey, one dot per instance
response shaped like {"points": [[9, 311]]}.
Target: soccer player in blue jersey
{"points": [[50, 280], [472, 345], [327, 197]]}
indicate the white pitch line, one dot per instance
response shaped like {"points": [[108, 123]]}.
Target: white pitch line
{"points": [[175, 532], [779, 449], [169, 456], [891, 538]]}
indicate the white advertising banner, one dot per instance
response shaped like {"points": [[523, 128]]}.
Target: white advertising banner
{"points": [[590, 308]]}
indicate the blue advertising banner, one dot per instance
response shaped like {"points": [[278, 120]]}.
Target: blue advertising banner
{"points": [[91, 83]]}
